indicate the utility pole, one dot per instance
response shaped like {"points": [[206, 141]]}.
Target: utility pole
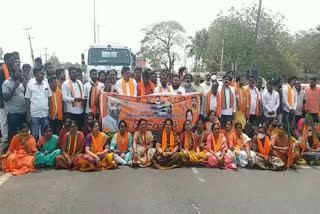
{"points": [[253, 63], [98, 33], [94, 21], [46, 54], [222, 55], [29, 38]]}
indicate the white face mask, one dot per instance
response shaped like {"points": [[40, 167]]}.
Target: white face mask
{"points": [[261, 136]]}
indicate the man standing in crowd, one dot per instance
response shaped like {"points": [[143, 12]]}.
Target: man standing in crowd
{"points": [[241, 101], [182, 72], [13, 95], [270, 102], [163, 88], [137, 74], [61, 76], [278, 88], [301, 98], [187, 84], [154, 78], [38, 101], [228, 103], [56, 121], [253, 102], [102, 76], [91, 91], [176, 87], [145, 87], [72, 93], [126, 85], [26, 74], [5, 72], [48, 67], [37, 62], [207, 84], [212, 100], [313, 99], [196, 84], [290, 102]]}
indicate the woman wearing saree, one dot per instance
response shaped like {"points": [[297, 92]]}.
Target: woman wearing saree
{"points": [[189, 146], [211, 120], [19, 158], [262, 146], [228, 131], [98, 155], [121, 145], [240, 147], [88, 124], [217, 147], [199, 130], [143, 150], [167, 148], [72, 146], [47, 149]]}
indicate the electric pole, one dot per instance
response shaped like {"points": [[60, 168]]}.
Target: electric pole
{"points": [[29, 38], [46, 54], [94, 21], [98, 33], [222, 55]]}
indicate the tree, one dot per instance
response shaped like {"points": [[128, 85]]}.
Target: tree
{"points": [[55, 61], [161, 43]]}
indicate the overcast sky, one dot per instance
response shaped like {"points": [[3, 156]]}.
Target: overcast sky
{"points": [[66, 26]]}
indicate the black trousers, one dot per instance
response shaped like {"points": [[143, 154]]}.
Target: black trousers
{"points": [[79, 118], [14, 123], [56, 125]]}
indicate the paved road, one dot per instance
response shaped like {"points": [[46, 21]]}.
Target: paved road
{"points": [[129, 190]]}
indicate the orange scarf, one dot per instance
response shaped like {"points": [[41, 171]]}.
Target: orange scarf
{"points": [[123, 145], [239, 142], [97, 142], [160, 89], [93, 95], [187, 144], [249, 103], [218, 113], [216, 148], [57, 105], [143, 89], [72, 91], [240, 91], [315, 142], [6, 71], [164, 141], [223, 98], [131, 87], [290, 96], [264, 150]]}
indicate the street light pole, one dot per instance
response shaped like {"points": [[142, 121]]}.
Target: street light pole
{"points": [[255, 38], [222, 55], [98, 33], [94, 21], [29, 38]]}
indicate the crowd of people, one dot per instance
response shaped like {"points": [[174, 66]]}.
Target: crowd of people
{"points": [[48, 120]]}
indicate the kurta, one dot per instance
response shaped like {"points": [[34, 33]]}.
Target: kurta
{"points": [[143, 158], [20, 161], [74, 150], [46, 156]]}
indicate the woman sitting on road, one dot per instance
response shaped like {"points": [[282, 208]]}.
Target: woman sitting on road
{"points": [[121, 145], [261, 145], [143, 150], [167, 148], [88, 124], [240, 147], [72, 147], [189, 146], [19, 158], [98, 155], [211, 120], [228, 130], [217, 148], [47, 146], [199, 130]]}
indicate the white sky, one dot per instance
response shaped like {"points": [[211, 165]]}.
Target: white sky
{"points": [[66, 26]]}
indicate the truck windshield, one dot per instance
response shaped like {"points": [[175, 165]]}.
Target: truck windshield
{"points": [[103, 56]]}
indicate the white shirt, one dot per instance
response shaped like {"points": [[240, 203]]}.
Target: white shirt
{"points": [[229, 109], [120, 89], [270, 102], [38, 95], [206, 87], [213, 103], [286, 106], [69, 99], [180, 90], [167, 90], [254, 97], [86, 92], [300, 97]]}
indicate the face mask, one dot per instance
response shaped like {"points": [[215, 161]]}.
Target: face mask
{"points": [[261, 136]]}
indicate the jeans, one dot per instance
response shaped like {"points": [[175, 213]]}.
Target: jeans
{"points": [[14, 123], [56, 125], [38, 123], [224, 119], [287, 119], [4, 124]]}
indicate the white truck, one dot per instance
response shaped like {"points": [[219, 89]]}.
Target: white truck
{"points": [[108, 56]]}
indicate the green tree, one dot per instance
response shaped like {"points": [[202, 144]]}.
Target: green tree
{"points": [[161, 43], [55, 61]]}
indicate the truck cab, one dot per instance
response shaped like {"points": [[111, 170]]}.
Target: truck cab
{"points": [[106, 57]]}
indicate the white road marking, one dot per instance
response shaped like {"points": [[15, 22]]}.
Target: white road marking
{"points": [[197, 173], [194, 206], [4, 178]]}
